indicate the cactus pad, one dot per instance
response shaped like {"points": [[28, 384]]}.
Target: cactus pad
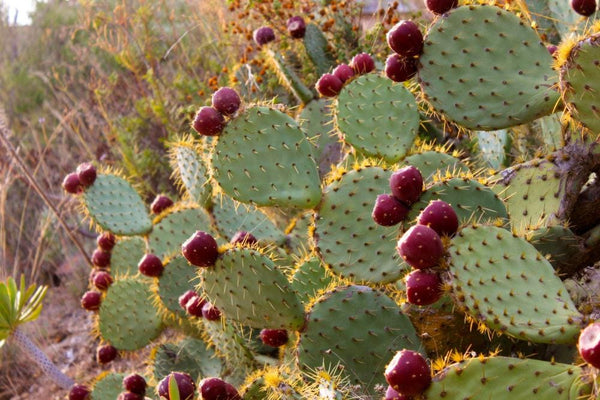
{"points": [[192, 356], [347, 239], [126, 255], [494, 147], [310, 277], [114, 205], [378, 117], [317, 49], [247, 286], [360, 329], [263, 157], [485, 69], [108, 387], [432, 162], [127, 319], [176, 279], [191, 171], [503, 282]]}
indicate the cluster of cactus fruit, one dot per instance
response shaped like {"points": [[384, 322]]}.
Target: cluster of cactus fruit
{"points": [[285, 267]]}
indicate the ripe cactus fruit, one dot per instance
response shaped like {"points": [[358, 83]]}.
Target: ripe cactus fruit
{"points": [[200, 249], [391, 394], [584, 7], [244, 238], [135, 383], [408, 373], [400, 69], [423, 287], [160, 204], [208, 122], [86, 173], [184, 298], [440, 6], [72, 184], [439, 216], [185, 385], [343, 72], [406, 184], [226, 101], [217, 389], [101, 258], [589, 344], [296, 27], [91, 300], [405, 39], [102, 280], [263, 35], [210, 312], [329, 85], [388, 211], [362, 63], [106, 241], [421, 247], [106, 353], [195, 305], [274, 337], [79, 392], [151, 265]]}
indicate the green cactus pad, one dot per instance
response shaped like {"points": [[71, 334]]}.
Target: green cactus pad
{"points": [[127, 319], [191, 171], [300, 240], [503, 282], [310, 277], [485, 69], [317, 49], [557, 242], [247, 287], [347, 239], [378, 117], [532, 191], [192, 356], [508, 378], [177, 278], [566, 20], [359, 328], [231, 216], [108, 387], [126, 255], [471, 200], [494, 148], [176, 227], [288, 78], [431, 163], [580, 83], [263, 157], [114, 205]]}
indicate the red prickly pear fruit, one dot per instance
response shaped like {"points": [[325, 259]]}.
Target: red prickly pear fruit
{"points": [[217, 389], [244, 238], [106, 241], [343, 72], [440, 6], [423, 288], [151, 265], [160, 204], [391, 394], [388, 211], [584, 7], [72, 184], [226, 101], [106, 353], [408, 373], [552, 49], [589, 344], [201, 249], [362, 63], [102, 280], [185, 384], [421, 247], [208, 122], [86, 173], [210, 312], [439, 216], [406, 184], [263, 35], [135, 383], [400, 69], [79, 392], [329, 85], [195, 305], [274, 337], [184, 298], [101, 258], [130, 396], [406, 39], [296, 27], [91, 300]]}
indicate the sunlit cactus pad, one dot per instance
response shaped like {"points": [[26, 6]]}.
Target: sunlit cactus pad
{"points": [[126, 255], [484, 68], [431, 163], [509, 378], [114, 205], [504, 283], [191, 171], [378, 117], [264, 158]]}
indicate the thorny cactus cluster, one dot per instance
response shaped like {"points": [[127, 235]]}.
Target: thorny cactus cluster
{"points": [[287, 276]]}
